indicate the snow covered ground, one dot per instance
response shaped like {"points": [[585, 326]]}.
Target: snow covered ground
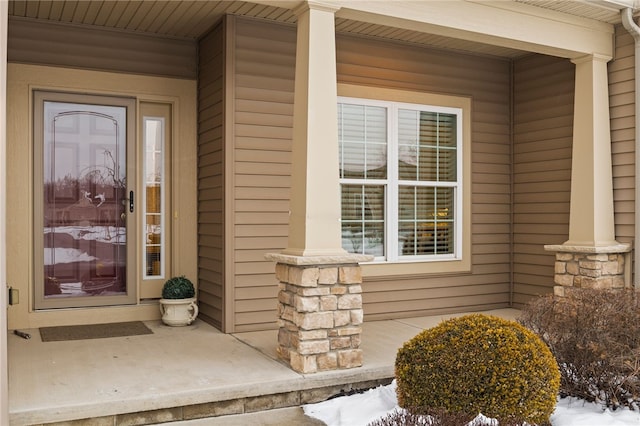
{"points": [[361, 409]]}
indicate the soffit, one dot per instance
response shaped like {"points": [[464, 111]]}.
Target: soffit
{"points": [[181, 19], [191, 19], [598, 10]]}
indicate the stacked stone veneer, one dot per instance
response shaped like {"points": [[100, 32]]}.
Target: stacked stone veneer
{"points": [[320, 316], [575, 269]]}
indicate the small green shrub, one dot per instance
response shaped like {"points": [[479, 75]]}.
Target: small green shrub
{"points": [[595, 338], [479, 364], [178, 288]]}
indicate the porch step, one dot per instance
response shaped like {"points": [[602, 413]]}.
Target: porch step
{"points": [[293, 416], [267, 409], [182, 374]]}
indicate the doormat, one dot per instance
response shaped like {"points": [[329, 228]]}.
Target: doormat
{"points": [[93, 331]]}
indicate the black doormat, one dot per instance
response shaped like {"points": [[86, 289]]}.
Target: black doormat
{"points": [[93, 331]]}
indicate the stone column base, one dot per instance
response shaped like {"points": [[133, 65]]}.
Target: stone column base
{"points": [[319, 312], [578, 267]]}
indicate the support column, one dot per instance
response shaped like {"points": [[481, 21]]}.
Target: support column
{"points": [[320, 298], [314, 227], [591, 222], [319, 313], [591, 257]]}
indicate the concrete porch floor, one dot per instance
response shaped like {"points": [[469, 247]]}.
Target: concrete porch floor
{"points": [[178, 374]]}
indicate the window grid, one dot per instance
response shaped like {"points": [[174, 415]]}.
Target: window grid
{"points": [[443, 226], [363, 233]]}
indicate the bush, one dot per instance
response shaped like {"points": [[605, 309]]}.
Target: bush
{"points": [[407, 418], [436, 418], [478, 364], [178, 288], [595, 337]]}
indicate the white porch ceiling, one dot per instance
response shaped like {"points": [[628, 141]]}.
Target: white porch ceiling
{"points": [[190, 19]]}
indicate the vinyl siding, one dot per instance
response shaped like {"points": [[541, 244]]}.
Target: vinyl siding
{"points": [[264, 57], [622, 105], [211, 250], [543, 120], [543, 132], [73, 46], [383, 64], [263, 95]]}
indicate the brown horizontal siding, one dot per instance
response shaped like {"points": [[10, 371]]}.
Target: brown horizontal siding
{"points": [[79, 47], [543, 129], [486, 82], [541, 168], [211, 247], [622, 103], [264, 58], [265, 62]]}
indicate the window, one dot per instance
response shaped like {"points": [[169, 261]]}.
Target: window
{"points": [[155, 197], [401, 179], [154, 194]]}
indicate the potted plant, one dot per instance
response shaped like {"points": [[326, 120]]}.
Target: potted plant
{"points": [[178, 304]]}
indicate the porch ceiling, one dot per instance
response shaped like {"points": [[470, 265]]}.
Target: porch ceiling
{"points": [[191, 19]]}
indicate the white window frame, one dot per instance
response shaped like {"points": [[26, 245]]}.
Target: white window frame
{"points": [[392, 182], [163, 213]]}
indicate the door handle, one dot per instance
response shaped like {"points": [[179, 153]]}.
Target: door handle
{"points": [[131, 201]]}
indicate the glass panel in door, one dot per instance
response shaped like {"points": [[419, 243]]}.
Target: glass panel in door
{"points": [[85, 204]]}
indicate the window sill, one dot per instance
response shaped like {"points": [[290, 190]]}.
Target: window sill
{"points": [[416, 267]]}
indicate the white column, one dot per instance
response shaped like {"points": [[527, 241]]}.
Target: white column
{"points": [[314, 227], [4, 368], [591, 216]]}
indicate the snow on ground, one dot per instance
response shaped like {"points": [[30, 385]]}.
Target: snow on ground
{"points": [[363, 408]]}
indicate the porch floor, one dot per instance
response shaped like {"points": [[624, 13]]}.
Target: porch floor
{"points": [[183, 373]]}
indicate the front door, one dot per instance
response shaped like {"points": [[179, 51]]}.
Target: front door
{"points": [[87, 211]]}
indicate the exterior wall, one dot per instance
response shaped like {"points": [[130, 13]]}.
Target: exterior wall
{"points": [[254, 172], [543, 131], [264, 59], [179, 93], [622, 108], [80, 47], [543, 120], [211, 253], [486, 82]]}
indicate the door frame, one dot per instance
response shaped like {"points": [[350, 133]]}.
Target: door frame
{"points": [[181, 94]]}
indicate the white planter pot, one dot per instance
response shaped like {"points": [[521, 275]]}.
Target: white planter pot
{"points": [[178, 312]]}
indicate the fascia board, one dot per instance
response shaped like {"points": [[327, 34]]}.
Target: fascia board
{"points": [[505, 24]]}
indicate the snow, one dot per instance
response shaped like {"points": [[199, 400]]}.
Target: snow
{"points": [[576, 412], [105, 234], [357, 409], [55, 256], [364, 408]]}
